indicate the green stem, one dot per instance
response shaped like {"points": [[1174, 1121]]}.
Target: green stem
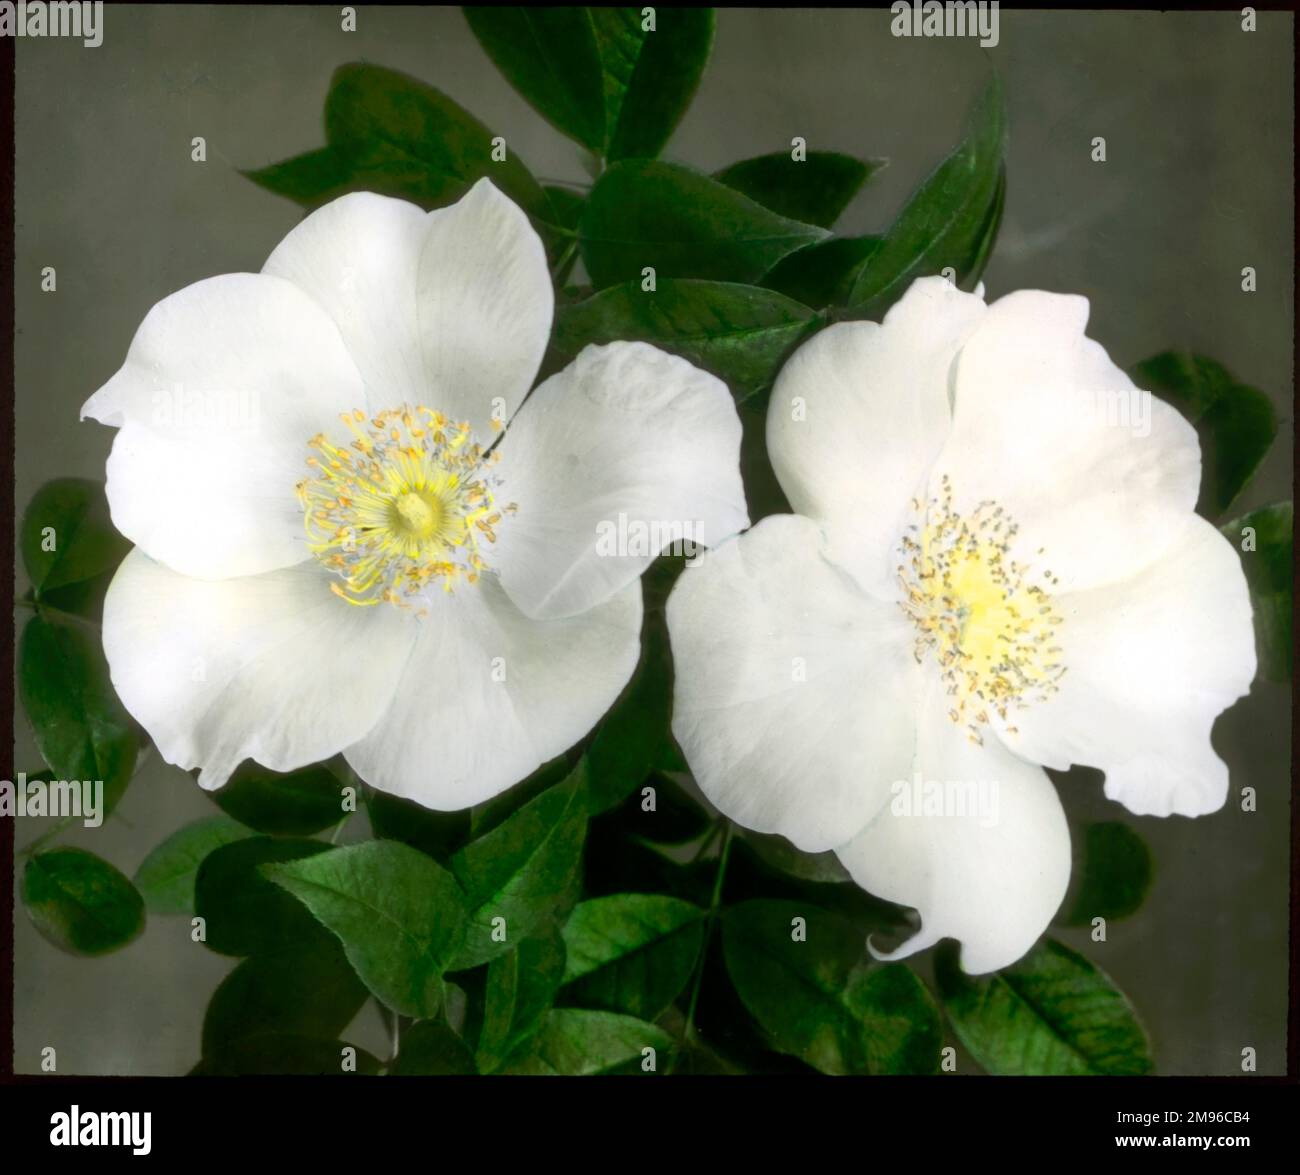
{"points": [[715, 902], [334, 836], [564, 266], [559, 183], [48, 835]]}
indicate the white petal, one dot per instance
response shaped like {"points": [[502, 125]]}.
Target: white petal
{"points": [[1095, 473], [1150, 663], [488, 695], [986, 860], [485, 307], [450, 309], [795, 690], [859, 414], [358, 257], [271, 667], [224, 384], [626, 449]]}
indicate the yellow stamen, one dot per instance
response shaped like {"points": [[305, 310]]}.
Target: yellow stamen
{"points": [[986, 627], [406, 515]]}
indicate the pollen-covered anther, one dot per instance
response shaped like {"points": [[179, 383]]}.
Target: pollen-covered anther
{"points": [[990, 630], [404, 505]]}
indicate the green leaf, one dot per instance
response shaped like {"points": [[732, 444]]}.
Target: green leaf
{"points": [[988, 237], [390, 133], [243, 913], [631, 952], [431, 1049], [1267, 563], [81, 903], [394, 126], [81, 729], [650, 76], [1235, 423], [493, 812], [521, 987], [166, 876], [948, 221], [822, 274], [288, 1055], [819, 1001], [549, 55], [66, 535], [311, 179], [293, 803], [756, 869], [740, 333], [526, 871], [438, 834], [779, 853], [575, 1042], [682, 224], [1052, 1013], [307, 989], [399, 916], [815, 190], [1114, 874]]}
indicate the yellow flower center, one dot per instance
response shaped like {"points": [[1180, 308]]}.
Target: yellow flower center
{"points": [[404, 505], [987, 620]]}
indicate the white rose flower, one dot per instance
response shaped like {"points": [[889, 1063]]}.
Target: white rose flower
{"points": [[994, 567], [331, 554]]}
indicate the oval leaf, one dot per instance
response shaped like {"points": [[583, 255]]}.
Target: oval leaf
{"points": [[650, 73], [308, 989], [1114, 873], [1236, 423], [293, 803], [525, 871], [417, 141], [399, 915], [822, 274], [946, 223], [816, 998], [437, 834], [243, 913], [1264, 538], [740, 333], [311, 179], [521, 987], [166, 876], [631, 952], [1052, 1013], [549, 55], [575, 1042], [67, 536], [682, 224], [82, 731], [81, 903], [815, 189]]}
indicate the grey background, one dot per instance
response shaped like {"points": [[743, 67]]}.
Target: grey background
{"points": [[1198, 121]]}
